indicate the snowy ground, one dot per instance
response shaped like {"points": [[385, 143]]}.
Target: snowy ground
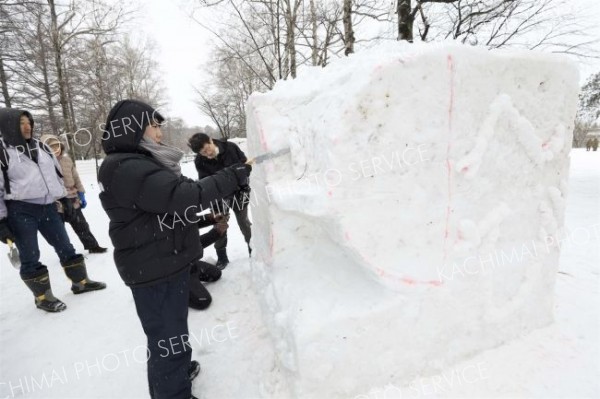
{"points": [[95, 349]]}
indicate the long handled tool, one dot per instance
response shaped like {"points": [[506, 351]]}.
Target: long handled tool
{"points": [[267, 156], [13, 255]]}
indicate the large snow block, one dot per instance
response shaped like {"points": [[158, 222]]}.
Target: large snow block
{"points": [[415, 220]]}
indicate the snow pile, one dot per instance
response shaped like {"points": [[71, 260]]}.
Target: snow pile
{"points": [[417, 218]]}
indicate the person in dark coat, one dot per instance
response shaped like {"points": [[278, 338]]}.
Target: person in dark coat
{"points": [[151, 208], [203, 272], [213, 155], [30, 184]]}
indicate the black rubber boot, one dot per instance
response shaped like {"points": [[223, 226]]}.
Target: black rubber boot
{"points": [[77, 273], [44, 298], [222, 260]]}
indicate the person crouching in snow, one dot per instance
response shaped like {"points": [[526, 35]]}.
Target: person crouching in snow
{"points": [[74, 202], [146, 198], [203, 272], [30, 184]]}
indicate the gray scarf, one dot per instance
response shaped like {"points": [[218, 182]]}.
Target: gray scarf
{"points": [[166, 155]]}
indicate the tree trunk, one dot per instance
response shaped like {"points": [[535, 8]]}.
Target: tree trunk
{"points": [[72, 114], [62, 91], [348, 28], [315, 42], [278, 40], [4, 83], [291, 14], [70, 102], [405, 20], [43, 61], [48, 94]]}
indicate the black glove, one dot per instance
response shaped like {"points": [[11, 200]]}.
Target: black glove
{"points": [[5, 233], [221, 218], [242, 173], [68, 210], [221, 228], [245, 189]]}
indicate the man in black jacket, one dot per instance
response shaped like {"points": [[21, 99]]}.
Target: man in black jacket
{"points": [[212, 156], [150, 204]]}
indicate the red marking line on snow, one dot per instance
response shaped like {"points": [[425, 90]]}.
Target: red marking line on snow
{"points": [[406, 280], [389, 276], [261, 133], [450, 63], [271, 243]]}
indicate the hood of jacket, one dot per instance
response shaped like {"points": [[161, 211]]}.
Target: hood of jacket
{"points": [[50, 139], [10, 126], [125, 125]]}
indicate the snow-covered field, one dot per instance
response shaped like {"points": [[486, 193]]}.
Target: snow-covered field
{"points": [[95, 349]]}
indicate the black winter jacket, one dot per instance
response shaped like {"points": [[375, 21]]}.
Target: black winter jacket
{"points": [[229, 154], [151, 209]]}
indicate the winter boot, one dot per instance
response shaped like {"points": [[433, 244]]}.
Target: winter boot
{"points": [[77, 273], [222, 260], [97, 250], [44, 299], [194, 370], [206, 272]]}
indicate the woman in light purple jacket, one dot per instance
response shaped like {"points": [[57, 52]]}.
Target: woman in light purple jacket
{"points": [[30, 183]]}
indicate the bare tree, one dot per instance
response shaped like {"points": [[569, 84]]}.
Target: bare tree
{"points": [[348, 28], [260, 42], [69, 22], [68, 63], [29, 62], [548, 25], [220, 112], [114, 70]]}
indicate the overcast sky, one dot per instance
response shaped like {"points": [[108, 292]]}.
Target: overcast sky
{"points": [[184, 47]]}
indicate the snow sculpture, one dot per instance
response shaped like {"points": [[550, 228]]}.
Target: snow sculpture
{"points": [[417, 217]]}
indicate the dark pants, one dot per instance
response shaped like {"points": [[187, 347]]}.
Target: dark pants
{"points": [[82, 229], [163, 311], [25, 220], [241, 216]]}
